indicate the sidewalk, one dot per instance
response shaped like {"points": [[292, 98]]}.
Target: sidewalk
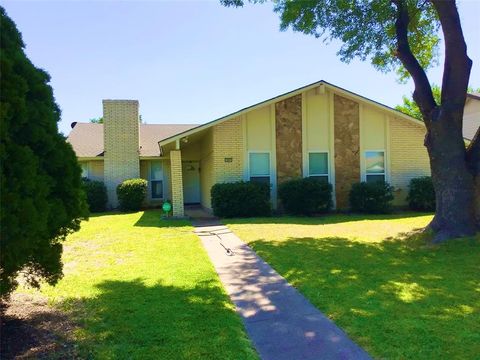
{"points": [[281, 322]]}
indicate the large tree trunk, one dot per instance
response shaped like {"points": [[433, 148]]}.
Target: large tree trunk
{"points": [[452, 178], [455, 169]]}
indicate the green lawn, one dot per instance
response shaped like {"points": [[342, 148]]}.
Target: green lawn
{"points": [[144, 288], [376, 278]]}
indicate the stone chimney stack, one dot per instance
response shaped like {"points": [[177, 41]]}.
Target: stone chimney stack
{"points": [[121, 144]]}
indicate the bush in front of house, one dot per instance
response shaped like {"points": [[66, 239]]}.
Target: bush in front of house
{"points": [[305, 196], [241, 199], [96, 195], [131, 194], [421, 194], [372, 198]]}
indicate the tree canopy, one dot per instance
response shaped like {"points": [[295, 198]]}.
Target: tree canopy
{"points": [[410, 107], [41, 196]]}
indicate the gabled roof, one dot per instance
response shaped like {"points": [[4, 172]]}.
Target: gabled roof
{"points": [[287, 95], [87, 138]]}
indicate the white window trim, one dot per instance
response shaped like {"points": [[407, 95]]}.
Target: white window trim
{"points": [[364, 161], [150, 197], [269, 159], [328, 164]]}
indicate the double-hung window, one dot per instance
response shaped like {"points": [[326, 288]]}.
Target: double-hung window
{"points": [[375, 166], [156, 180], [318, 166], [259, 167]]}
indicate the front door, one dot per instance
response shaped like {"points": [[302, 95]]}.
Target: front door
{"points": [[191, 182]]}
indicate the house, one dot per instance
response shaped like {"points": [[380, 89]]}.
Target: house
{"points": [[319, 130], [471, 116]]}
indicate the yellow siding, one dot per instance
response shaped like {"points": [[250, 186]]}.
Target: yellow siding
{"points": [[373, 132], [191, 152], [408, 156], [317, 121], [206, 169], [259, 129], [144, 169], [95, 170]]}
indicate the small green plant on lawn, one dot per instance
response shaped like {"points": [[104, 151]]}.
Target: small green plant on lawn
{"points": [[305, 196], [371, 198], [131, 194], [421, 194], [96, 195], [241, 199]]}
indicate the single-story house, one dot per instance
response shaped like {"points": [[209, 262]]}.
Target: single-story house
{"points": [[471, 116], [319, 130]]}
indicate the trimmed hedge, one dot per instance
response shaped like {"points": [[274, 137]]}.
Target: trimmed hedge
{"points": [[131, 194], [373, 198], [96, 195], [421, 194], [241, 199], [305, 196]]}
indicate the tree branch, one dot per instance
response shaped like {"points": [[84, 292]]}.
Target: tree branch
{"points": [[456, 72], [422, 95]]}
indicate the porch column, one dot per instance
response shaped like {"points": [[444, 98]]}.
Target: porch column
{"points": [[177, 182]]}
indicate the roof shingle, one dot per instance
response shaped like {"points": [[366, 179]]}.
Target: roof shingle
{"points": [[87, 138]]}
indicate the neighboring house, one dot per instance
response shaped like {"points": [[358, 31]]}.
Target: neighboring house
{"points": [[471, 116], [319, 130]]}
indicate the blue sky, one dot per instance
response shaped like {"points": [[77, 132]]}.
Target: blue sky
{"points": [[190, 62]]}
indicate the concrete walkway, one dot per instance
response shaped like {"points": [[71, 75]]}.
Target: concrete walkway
{"points": [[281, 322]]}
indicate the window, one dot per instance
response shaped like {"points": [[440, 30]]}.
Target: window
{"points": [[260, 167], [156, 179], [318, 166], [84, 166], [375, 166]]}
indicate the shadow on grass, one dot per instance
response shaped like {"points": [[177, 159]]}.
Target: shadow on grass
{"points": [[154, 218], [398, 299], [330, 218], [132, 320]]}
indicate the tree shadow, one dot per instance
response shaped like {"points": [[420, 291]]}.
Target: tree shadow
{"points": [[135, 320], [154, 218], [33, 330], [400, 298], [324, 219]]}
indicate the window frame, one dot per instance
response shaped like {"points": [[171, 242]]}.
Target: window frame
{"points": [[327, 175], [366, 174], [249, 176], [150, 180]]}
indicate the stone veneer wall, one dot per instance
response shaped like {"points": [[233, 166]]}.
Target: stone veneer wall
{"points": [[121, 144], [288, 132], [228, 144], [347, 148]]}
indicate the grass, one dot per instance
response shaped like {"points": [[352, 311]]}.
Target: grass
{"points": [[143, 288], [379, 280]]}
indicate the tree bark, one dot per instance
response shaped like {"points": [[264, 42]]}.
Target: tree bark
{"points": [[454, 171], [452, 179]]}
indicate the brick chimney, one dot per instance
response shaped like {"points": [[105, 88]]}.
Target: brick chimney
{"points": [[121, 144]]}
